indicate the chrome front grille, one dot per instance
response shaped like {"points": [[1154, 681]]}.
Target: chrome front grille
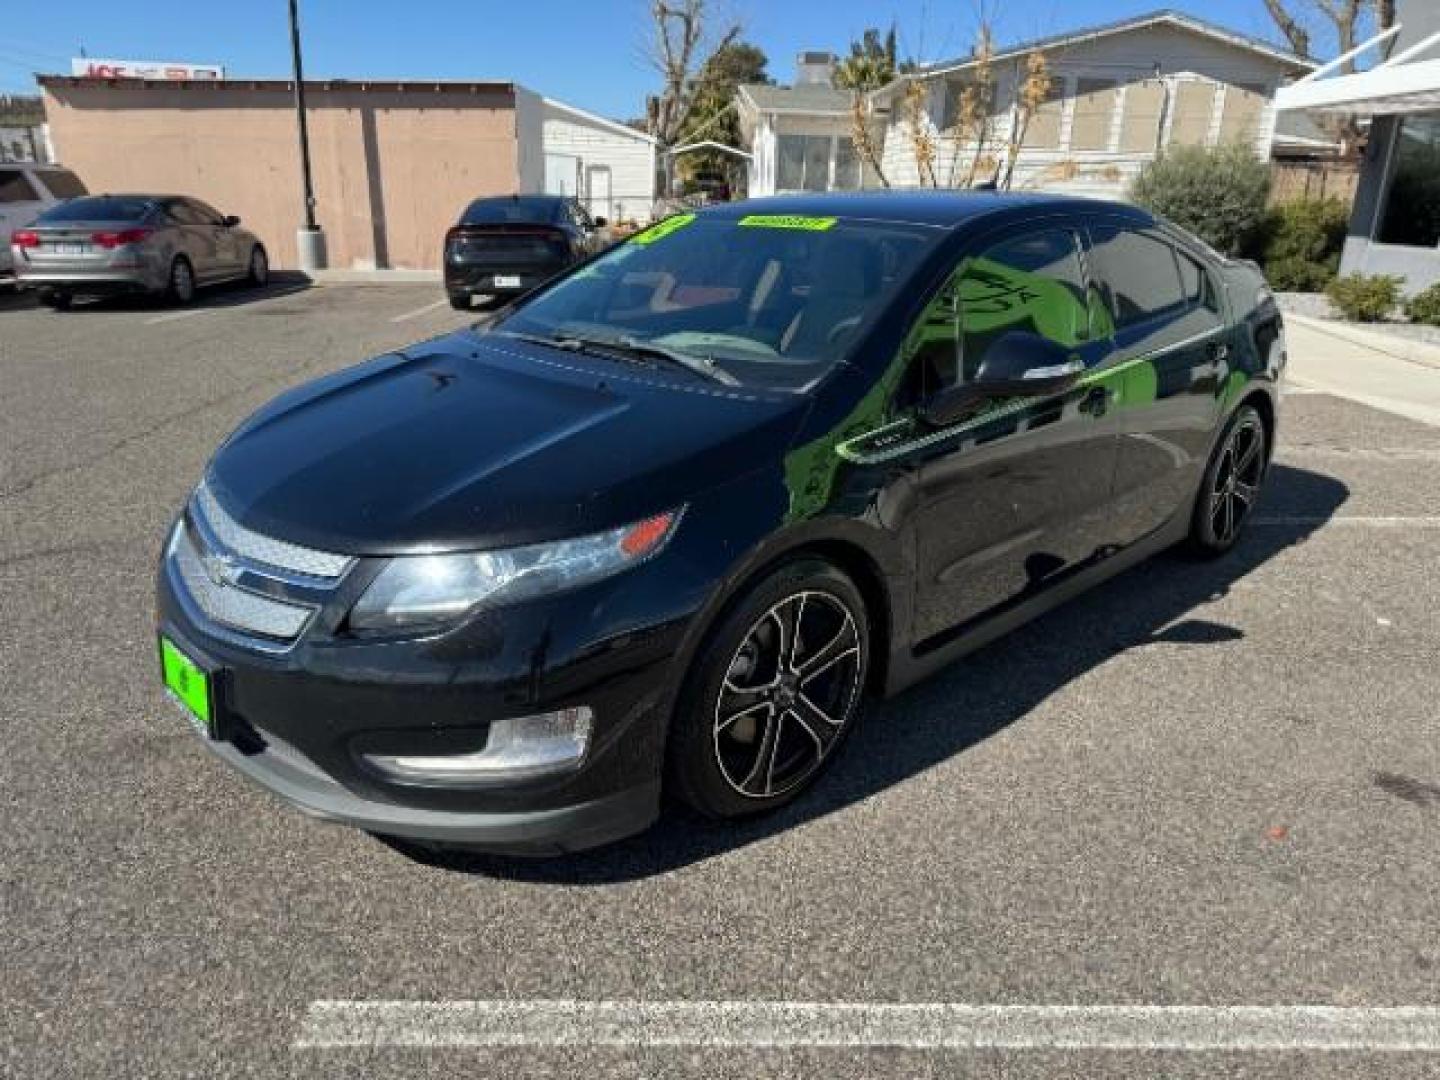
{"points": [[229, 605], [246, 584], [265, 550]]}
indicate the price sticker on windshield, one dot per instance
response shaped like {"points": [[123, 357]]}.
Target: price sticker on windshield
{"points": [[662, 229], [788, 221]]}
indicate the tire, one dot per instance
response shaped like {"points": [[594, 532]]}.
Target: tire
{"points": [[460, 301], [750, 731], [180, 288], [57, 299], [258, 274], [1231, 486]]}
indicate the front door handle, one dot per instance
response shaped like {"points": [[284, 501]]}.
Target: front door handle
{"points": [[1096, 402]]}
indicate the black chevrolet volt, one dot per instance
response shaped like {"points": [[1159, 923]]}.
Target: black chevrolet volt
{"points": [[660, 527]]}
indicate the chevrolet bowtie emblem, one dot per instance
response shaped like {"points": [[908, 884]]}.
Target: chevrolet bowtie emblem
{"points": [[221, 568]]}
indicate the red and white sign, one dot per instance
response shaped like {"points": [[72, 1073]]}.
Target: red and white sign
{"points": [[88, 68]]}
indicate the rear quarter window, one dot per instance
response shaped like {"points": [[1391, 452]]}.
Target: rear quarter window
{"points": [[62, 183], [1139, 273]]}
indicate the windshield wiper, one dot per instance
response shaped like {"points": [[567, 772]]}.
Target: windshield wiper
{"points": [[636, 348]]}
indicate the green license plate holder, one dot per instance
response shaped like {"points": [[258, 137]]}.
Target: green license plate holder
{"points": [[194, 685]]}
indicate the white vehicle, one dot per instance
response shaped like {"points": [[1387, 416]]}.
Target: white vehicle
{"points": [[26, 188]]}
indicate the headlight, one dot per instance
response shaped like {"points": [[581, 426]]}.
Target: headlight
{"points": [[416, 590]]}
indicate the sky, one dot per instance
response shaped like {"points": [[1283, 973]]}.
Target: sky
{"points": [[589, 53]]}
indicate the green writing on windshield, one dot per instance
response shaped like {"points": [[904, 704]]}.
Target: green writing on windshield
{"points": [[662, 229], [788, 221]]}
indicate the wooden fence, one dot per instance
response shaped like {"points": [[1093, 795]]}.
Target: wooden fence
{"points": [[1293, 181]]}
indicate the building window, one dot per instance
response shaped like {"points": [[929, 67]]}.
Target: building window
{"points": [[803, 163], [1144, 102], [1240, 122], [1412, 210], [847, 164], [1191, 112], [1094, 111], [1043, 130]]}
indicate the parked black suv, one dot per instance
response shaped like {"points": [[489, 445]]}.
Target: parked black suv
{"points": [[664, 523], [508, 245]]}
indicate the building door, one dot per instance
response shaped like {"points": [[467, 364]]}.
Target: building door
{"points": [[562, 174], [597, 185]]}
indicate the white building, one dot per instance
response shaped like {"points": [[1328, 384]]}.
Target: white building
{"points": [[1395, 223], [1119, 94], [609, 167]]}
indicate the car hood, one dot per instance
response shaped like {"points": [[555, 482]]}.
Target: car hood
{"points": [[479, 440]]}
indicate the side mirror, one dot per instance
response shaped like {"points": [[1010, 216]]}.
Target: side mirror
{"points": [[601, 223], [1019, 364], [231, 220]]}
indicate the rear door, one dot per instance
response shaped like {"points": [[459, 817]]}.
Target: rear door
{"points": [[1015, 498], [1171, 345], [20, 203]]}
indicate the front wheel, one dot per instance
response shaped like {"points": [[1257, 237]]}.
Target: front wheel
{"points": [[1231, 486], [773, 693], [259, 272], [181, 287]]}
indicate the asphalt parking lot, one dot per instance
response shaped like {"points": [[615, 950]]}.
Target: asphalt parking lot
{"points": [[1204, 785]]}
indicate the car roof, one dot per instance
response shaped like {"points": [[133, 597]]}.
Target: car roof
{"points": [[944, 209]]}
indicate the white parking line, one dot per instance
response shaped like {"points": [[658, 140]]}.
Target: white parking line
{"points": [[786, 1024], [419, 311], [172, 316], [1360, 520]]}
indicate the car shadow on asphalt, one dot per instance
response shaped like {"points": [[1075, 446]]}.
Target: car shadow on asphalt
{"points": [[998, 685], [207, 297]]}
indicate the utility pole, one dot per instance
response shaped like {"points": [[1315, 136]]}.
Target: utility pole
{"points": [[309, 240]]}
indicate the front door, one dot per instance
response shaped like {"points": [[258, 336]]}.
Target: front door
{"points": [[1171, 345], [1016, 497]]}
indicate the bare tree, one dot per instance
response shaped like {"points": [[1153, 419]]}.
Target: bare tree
{"points": [[1033, 92], [679, 46], [1346, 19]]}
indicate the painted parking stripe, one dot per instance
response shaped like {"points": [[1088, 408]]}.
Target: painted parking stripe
{"points": [[172, 316], [1356, 520], [419, 311], [785, 1024]]}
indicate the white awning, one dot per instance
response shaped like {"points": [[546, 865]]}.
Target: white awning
{"points": [[1399, 85]]}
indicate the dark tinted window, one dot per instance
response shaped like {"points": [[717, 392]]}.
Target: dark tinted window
{"points": [[1412, 206], [208, 214], [63, 183], [184, 212], [14, 187], [1138, 272], [498, 211], [1196, 282], [98, 208]]}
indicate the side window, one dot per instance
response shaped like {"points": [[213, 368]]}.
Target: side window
{"points": [[62, 183], [205, 214], [1138, 274], [1196, 283], [1033, 284], [16, 187], [182, 213]]}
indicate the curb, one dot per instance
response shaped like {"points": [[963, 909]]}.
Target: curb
{"points": [[376, 277], [1416, 352]]}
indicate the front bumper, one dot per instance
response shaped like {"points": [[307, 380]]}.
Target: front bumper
{"points": [[301, 722]]}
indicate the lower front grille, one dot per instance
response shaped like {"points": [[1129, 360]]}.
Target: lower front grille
{"points": [[227, 605]]}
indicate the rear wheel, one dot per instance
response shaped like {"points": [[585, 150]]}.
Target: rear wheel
{"points": [[773, 693], [259, 274], [181, 288], [1232, 484], [58, 299], [460, 301]]}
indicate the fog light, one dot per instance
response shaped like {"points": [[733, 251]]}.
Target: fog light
{"points": [[518, 748]]}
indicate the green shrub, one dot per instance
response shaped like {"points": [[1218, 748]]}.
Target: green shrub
{"points": [[1300, 244], [1424, 307], [1365, 298], [1218, 194], [1297, 274]]}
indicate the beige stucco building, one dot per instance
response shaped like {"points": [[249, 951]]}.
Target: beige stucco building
{"points": [[393, 162]]}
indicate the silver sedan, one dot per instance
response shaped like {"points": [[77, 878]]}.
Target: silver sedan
{"points": [[160, 244]]}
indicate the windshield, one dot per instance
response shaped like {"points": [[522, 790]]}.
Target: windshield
{"points": [[500, 211], [98, 208], [764, 300]]}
